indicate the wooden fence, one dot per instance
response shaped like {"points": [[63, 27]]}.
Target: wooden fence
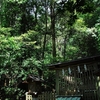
{"points": [[44, 96], [79, 80]]}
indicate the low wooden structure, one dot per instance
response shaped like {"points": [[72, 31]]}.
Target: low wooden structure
{"points": [[79, 77], [32, 86], [47, 95]]}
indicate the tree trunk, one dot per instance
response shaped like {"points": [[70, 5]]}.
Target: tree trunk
{"points": [[53, 28], [44, 43], [65, 43]]}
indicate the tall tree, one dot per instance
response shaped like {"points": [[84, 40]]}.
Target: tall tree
{"points": [[53, 15], [45, 33]]}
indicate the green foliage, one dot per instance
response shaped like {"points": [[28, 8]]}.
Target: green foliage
{"points": [[5, 31], [97, 26], [15, 60], [79, 25], [18, 1]]}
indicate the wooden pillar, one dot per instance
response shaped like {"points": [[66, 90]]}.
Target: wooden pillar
{"points": [[98, 87], [57, 82]]}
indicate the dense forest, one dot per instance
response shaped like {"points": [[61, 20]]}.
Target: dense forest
{"points": [[36, 33]]}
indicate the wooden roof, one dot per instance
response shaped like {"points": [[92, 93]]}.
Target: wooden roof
{"points": [[75, 62], [34, 78]]}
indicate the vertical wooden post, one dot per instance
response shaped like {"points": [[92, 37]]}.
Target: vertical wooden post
{"points": [[98, 87], [28, 97], [57, 82], [96, 82]]}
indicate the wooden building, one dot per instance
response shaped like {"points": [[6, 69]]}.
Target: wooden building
{"points": [[78, 78], [32, 86]]}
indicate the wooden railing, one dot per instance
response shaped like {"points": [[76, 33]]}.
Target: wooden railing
{"points": [[46, 96]]}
